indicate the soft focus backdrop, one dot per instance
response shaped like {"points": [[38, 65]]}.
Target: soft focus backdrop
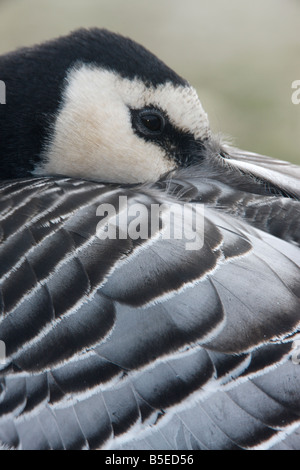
{"points": [[241, 56]]}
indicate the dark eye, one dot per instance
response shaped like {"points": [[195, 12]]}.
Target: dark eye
{"points": [[151, 122]]}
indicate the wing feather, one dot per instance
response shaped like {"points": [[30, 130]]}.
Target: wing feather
{"points": [[105, 337]]}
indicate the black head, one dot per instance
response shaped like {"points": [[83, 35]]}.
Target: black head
{"points": [[95, 104]]}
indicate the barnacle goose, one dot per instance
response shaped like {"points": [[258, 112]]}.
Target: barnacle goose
{"points": [[132, 343]]}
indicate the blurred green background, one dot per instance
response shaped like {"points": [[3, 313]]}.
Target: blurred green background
{"points": [[241, 56]]}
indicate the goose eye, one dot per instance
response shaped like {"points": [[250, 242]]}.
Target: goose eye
{"points": [[151, 122]]}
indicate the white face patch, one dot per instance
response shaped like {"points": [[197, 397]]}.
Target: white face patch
{"points": [[93, 135]]}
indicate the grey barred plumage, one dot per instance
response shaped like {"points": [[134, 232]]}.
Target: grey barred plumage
{"points": [[141, 344]]}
